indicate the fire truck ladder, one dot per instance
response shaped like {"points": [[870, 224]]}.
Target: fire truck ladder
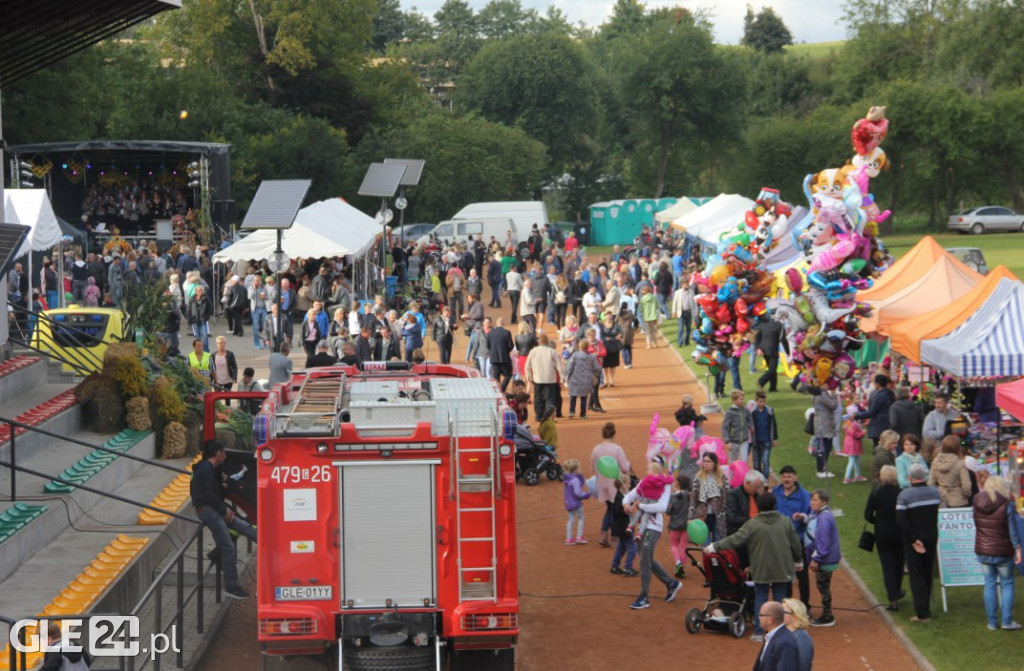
{"points": [[314, 412], [476, 472]]}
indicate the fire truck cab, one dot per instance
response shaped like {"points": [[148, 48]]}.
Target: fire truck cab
{"points": [[386, 509]]}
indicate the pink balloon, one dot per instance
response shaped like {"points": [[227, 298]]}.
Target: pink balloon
{"points": [[737, 471], [709, 444]]}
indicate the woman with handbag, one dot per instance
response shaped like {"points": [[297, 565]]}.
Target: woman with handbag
{"points": [[580, 374], [997, 548], [881, 512], [611, 335]]}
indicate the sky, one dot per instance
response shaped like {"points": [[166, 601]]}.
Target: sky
{"points": [[809, 20]]}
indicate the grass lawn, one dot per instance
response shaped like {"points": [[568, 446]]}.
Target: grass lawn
{"points": [[951, 641], [1006, 249]]}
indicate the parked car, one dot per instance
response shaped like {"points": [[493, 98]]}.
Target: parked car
{"points": [[970, 257], [411, 231], [988, 218]]}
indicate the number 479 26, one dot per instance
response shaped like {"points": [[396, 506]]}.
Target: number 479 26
{"points": [[286, 475]]}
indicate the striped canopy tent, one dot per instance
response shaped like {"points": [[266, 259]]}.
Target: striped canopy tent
{"points": [[990, 343], [908, 334], [944, 281]]}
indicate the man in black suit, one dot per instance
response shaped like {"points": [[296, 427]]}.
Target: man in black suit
{"points": [[501, 344], [779, 650]]}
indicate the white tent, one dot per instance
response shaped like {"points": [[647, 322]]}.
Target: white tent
{"points": [[328, 228], [683, 206], [31, 207], [713, 218]]}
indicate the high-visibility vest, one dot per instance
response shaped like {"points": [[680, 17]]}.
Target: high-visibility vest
{"points": [[202, 365]]}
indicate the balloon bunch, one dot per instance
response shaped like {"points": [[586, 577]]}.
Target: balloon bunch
{"points": [[668, 445], [735, 280], [840, 243]]}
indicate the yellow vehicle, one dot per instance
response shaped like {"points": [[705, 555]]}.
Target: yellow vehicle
{"points": [[78, 335]]}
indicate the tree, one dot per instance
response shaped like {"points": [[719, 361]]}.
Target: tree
{"points": [[627, 19], [541, 83], [504, 18], [389, 24], [765, 31], [684, 97], [305, 147], [468, 159]]}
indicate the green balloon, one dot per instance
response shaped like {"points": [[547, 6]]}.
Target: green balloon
{"points": [[608, 467], [698, 531]]}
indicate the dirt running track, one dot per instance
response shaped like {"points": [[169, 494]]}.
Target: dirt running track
{"points": [[575, 615]]}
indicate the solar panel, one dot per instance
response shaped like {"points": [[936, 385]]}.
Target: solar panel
{"points": [[11, 238], [276, 203], [382, 180], [413, 169]]}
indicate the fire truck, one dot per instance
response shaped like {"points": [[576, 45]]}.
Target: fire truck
{"points": [[385, 500]]}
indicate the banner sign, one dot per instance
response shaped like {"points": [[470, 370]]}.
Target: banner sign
{"points": [[958, 565]]}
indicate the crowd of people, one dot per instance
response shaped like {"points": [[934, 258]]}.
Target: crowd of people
{"points": [[132, 208]]}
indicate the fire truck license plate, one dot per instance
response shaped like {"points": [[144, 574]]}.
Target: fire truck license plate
{"points": [[304, 593]]}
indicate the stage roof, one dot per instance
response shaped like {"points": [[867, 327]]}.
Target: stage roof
{"points": [[135, 148], [34, 35]]}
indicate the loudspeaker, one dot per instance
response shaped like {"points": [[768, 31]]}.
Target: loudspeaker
{"points": [[223, 213]]}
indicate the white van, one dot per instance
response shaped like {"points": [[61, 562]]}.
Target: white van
{"points": [[523, 213], [463, 230]]}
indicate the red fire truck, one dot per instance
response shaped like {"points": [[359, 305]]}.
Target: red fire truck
{"points": [[386, 518]]}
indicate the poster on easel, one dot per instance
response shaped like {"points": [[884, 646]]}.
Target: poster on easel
{"points": [[958, 565]]}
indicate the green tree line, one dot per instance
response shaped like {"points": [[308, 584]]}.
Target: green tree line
{"points": [[508, 103]]}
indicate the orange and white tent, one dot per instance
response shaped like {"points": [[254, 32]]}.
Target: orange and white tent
{"points": [[907, 334], [943, 281]]}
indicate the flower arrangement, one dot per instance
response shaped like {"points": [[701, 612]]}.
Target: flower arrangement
{"points": [[41, 170], [116, 244]]}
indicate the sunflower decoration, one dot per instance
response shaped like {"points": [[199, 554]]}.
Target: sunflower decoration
{"points": [[41, 169], [116, 244], [75, 172]]}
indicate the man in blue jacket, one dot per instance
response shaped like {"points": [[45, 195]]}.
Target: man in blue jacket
{"points": [[794, 502]]}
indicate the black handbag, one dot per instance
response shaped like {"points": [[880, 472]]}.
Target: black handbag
{"points": [[866, 541], [809, 425]]}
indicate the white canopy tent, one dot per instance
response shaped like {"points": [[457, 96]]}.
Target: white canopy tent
{"points": [[683, 206], [31, 207], [711, 219], [328, 228]]}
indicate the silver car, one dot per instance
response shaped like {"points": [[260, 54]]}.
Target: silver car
{"points": [[988, 218]]}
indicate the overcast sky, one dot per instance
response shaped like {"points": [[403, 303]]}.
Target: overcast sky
{"points": [[808, 20]]}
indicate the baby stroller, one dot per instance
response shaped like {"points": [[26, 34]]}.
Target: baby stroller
{"points": [[731, 601], [534, 457]]}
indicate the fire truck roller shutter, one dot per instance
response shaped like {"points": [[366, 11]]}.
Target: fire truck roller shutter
{"points": [[388, 533]]}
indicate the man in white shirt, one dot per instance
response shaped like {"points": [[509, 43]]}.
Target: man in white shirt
{"points": [[591, 301]]}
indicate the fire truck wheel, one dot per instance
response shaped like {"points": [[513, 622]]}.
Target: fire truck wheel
{"points": [[553, 472], [531, 477], [399, 658]]}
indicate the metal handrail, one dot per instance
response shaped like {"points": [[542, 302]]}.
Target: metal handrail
{"points": [[101, 448], [93, 490], [155, 592]]}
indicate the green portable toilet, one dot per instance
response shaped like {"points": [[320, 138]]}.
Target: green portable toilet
{"points": [[648, 206]]}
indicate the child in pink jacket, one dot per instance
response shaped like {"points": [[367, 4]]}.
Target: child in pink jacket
{"points": [[853, 447]]}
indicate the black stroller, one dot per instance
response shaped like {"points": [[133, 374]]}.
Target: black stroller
{"points": [[731, 601], [534, 457]]}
